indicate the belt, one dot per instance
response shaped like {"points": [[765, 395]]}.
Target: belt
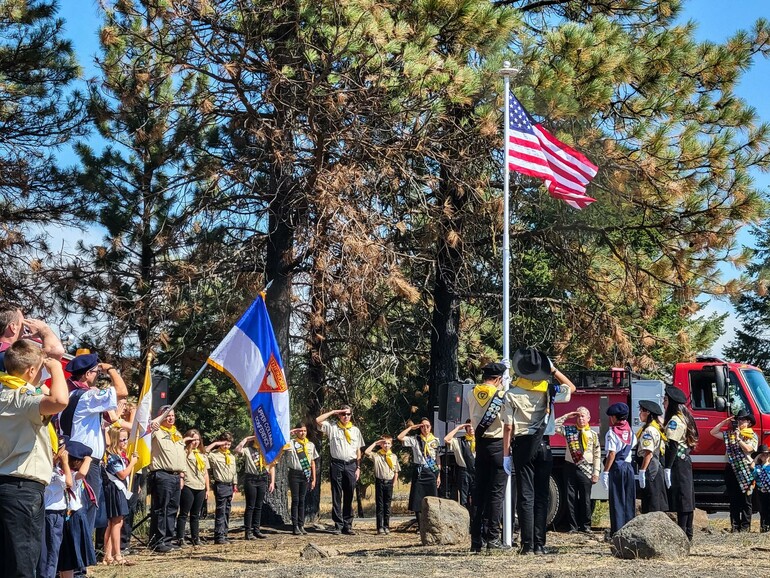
{"points": [[343, 462], [170, 472], [22, 482]]}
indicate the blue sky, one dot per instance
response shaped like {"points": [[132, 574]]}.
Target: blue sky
{"points": [[717, 20]]}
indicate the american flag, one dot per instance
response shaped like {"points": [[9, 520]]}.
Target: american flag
{"points": [[534, 151]]}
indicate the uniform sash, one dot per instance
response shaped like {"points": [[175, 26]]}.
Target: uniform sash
{"points": [[304, 460], [741, 466], [490, 414], [576, 448], [762, 477]]}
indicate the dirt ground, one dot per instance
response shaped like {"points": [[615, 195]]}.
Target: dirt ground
{"points": [[715, 553]]}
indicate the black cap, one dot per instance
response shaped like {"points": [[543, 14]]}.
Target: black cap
{"points": [[619, 409], [762, 449], [532, 364], [743, 414], [493, 369], [676, 394], [651, 406]]}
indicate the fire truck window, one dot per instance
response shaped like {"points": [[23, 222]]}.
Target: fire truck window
{"points": [[702, 390]]}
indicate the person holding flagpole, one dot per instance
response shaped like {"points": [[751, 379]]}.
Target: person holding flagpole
{"points": [[345, 443]]}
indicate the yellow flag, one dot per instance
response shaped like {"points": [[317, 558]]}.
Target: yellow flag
{"points": [[141, 439]]}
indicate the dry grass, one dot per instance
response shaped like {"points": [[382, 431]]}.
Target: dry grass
{"points": [[400, 554]]}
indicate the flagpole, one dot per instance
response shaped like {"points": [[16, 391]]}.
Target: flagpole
{"points": [[506, 71]]}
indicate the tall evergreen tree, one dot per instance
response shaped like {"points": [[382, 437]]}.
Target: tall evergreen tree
{"points": [[39, 113]]}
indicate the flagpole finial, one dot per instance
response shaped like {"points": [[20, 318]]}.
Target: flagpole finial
{"points": [[507, 69]]}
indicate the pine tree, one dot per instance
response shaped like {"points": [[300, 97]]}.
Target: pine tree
{"points": [[39, 113]]}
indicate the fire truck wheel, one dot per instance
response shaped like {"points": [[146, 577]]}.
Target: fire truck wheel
{"points": [[557, 500]]}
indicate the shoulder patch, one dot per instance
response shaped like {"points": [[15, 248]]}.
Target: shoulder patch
{"points": [[672, 425]]}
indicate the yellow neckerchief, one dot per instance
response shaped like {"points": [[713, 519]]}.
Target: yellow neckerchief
{"points": [[345, 427], [747, 433], [471, 442], [13, 382], [227, 454], [663, 438], [199, 460], [117, 424], [388, 458], [585, 434], [303, 443], [426, 441], [529, 385], [175, 435], [483, 393]]}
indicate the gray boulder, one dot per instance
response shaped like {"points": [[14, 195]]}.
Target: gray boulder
{"points": [[650, 536], [443, 522], [315, 552]]}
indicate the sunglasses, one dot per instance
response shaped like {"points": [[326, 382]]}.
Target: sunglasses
{"points": [[347, 414], [123, 440]]}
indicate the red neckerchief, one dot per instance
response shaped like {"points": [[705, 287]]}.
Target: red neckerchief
{"points": [[72, 385], [623, 431]]}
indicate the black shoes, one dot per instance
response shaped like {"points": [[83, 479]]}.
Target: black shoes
{"points": [[302, 529], [222, 541], [475, 548], [295, 530], [497, 545], [247, 536], [162, 549], [348, 531], [526, 551], [542, 551], [259, 535], [336, 531]]}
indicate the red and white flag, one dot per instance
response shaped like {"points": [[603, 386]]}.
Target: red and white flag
{"points": [[533, 151]]}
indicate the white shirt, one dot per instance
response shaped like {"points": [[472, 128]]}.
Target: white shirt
{"points": [[87, 419], [612, 443], [54, 492]]}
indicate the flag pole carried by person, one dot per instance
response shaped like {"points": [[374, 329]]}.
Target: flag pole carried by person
{"points": [[141, 443]]}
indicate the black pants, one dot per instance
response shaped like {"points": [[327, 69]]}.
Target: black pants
{"points": [[488, 491], [343, 483], [533, 461], [298, 486], [684, 521], [164, 502], [223, 494], [578, 486], [383, 496], [190, 504], [740, 503], [764, 512], [464, 483], [255, 488], [22, 516]]}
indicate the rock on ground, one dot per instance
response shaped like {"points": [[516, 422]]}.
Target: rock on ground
{"points": [[443, 522], [315, 552], [648, 536]]}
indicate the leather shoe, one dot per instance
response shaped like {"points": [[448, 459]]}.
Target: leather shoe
{"points": [[348, 531], [475, 548], [541, 551], [336, 531], [163, 549], [260, 535], [525, 551], [222, 541]]}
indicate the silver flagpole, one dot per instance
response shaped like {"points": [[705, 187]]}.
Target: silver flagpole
{"points": [[506, 71]]}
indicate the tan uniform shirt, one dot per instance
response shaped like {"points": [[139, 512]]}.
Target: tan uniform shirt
{"points": [[416, 444], [592, 453], [676, 429], [382, 470], [194, 478], [649, 441], [456, 447], [167, 454], [254, 463], [312, 455], [525, 409], [339, 447], [25, 446], [220, 470], [476, 412]]}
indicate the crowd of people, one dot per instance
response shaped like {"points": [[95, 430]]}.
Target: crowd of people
{"points": [[68, 486]]}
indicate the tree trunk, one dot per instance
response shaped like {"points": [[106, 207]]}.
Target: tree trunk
{"points": [[276, 511], [444, 338]]}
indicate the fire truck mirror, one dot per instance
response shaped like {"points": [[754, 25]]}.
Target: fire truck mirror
{"points": [[720, 403], [720, 378]]}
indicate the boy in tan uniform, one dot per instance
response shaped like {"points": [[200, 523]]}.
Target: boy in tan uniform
{"points": [[386, 468], [26, 455], [223, 472]]}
